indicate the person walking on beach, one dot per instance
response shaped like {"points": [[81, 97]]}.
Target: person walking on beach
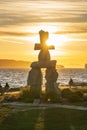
{"points": [[0, 86], [6, 86], [71, 82], [1, 89]]}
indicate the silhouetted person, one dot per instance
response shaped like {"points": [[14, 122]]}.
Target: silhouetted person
{"points": [[0, 86], [6, 86], [71, 82], [1, 89]]}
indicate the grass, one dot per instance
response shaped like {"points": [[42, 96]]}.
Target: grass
{"points": [[45, 119], [83, 103], [4, 112]]}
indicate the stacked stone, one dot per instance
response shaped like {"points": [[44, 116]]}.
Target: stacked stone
{"points": [[44, 61]]}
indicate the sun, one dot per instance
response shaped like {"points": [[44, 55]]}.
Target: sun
{"points": [[56, 40], [59, 42]]}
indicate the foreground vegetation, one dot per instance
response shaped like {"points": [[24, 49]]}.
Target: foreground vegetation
{"points": [[68, 95], [43, 119], [4, 112]]}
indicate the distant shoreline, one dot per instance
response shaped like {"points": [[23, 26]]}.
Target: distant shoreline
{"points": [[10, 63], [30, 67]]}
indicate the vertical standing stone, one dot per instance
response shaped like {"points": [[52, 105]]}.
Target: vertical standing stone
{"points": [[44, 61], [35, 81], [51, 78]]}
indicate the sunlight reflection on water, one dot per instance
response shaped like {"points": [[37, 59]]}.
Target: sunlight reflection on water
{"points": [[18, 77]]}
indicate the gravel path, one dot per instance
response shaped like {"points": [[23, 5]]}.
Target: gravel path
{"points": [[28, 106]]}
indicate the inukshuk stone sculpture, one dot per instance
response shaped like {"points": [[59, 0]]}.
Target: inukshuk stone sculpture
{"points": [[44, 61]]}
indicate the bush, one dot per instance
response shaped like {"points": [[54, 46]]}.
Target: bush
{"points": [[53, 97], [74, 97], [26, 95], [11, 97], [79, 93], [66, 93], [71, 95]]}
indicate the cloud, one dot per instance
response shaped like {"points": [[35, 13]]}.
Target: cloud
{"points": [[5, 33], [82, 30], [24, 12], [27, 11]]}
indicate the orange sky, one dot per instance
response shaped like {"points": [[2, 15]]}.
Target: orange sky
{"points": [[66, 21]]}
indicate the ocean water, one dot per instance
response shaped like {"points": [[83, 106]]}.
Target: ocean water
{"points": [[18, 77]]}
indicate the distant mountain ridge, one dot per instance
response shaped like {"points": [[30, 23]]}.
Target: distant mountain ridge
{"points": [[6, 63]]}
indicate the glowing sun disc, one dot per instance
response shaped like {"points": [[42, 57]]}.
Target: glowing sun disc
{"points": [[56, 40]]}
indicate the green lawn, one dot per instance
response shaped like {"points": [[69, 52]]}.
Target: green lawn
{"points": [[43, 119], [83, 103]]}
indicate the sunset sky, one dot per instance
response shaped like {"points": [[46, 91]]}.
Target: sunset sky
{"points": [[66, 21]]}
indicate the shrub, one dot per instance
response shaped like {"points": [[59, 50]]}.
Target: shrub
{"points": [[26, 95], [66, 93], [53, 97], [79, 93], [11, 97], [72, 96]]}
